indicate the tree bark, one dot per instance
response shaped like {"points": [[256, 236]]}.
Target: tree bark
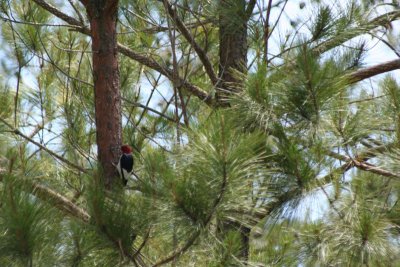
{"points": [[226, 226], [103, 20], [232, 45], [233, 18]]}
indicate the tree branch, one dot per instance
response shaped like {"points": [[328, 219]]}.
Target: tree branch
{"points": [[64, 160], [61, 202], [149, 109], [148, 62], [374, 169], [71, 20], [207, 220], [369, 72], [64, 204], [159, 28], [180, 251], [200, 52], [360, 161], [250, 8], [267, 31]]}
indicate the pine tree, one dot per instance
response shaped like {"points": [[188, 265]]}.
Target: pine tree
{"points": [[260, 137]]}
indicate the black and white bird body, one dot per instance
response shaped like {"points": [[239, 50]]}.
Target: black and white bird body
{"points": [[125, 164]]}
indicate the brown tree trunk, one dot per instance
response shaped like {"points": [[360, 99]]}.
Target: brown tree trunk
{"points": [[226, 226], [233, 18], [232, 45], [103, 20]]}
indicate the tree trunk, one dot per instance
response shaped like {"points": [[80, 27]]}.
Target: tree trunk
{"points": [[232, 45], [226, 226], [233, 18], [103, 20]]}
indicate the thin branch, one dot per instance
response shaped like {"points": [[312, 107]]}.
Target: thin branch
{"points": [[180, 251], [18, 87], [154, 141], [349, 164], [64, 160], [141, 246], [37, 128], [18, 56], [278, 201], [200, 52], [188, 36], [389, 45], [76, 11], [176, 85], [159, 28], [50, 60], [69, 50], [145, 60], [136, 97], [363, 156], [331, 202], [276, 23], [61, 15], [207, 220], [202, 95], [154, 87], [266, 31], [36, 24], [366, 99], [149, 109]]}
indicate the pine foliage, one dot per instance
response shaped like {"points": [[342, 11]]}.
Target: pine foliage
{"points": [[304, 153]]}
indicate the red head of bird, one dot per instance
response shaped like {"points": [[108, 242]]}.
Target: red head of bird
{"points": [[126, 149]]}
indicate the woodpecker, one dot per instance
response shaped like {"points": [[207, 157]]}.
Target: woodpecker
{"points": [[125, 164]]}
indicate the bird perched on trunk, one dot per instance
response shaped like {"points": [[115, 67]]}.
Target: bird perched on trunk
{"points": [[125, 164]]}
